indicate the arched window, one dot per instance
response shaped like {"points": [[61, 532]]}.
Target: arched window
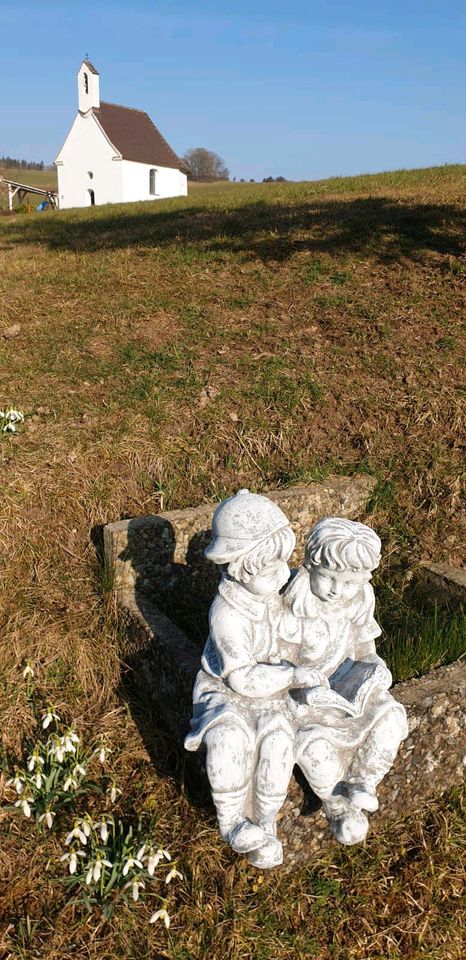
{"points": [[86, 83], [91, 198], [152, 182]]}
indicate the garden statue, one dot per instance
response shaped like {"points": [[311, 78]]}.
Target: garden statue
{"points": [[292, 676]]}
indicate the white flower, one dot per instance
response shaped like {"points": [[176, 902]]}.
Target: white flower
{"points": [[136, 886], [24, 803], [160, 915], [141, 852], [28, 671], [154, 859], [79, 769], [35, 759], [113, 792], [70, 783], [17, 782], [48, 717], [102, 827], [48, 817], [102, 753], [130, 863], [14, 415], [10, 418], [38, 779], [68, 741], [97, 868], [76, 834], [173, 873], [73, 859]]}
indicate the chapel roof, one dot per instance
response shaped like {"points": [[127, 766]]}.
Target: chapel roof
{"points": [[91, 67], [134, 135]]}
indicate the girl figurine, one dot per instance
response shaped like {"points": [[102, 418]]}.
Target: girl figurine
{"points": [[350, 727]]}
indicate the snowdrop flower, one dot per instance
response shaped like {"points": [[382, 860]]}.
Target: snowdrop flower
{"points": [[160, 915], [79, 769], [14, 415], [57, 749], [102, 827], [35, 759], [38, 780], [11, 418], [68, 741], [16, 782], [113, 792], [95, 870], [28, 671], [136, 886], [102, 753], [48, 817], [173, 873], [48, 717], [78, 833], [130, 864], [73, 859], [70, 784], [154, 858], [24, 803]]}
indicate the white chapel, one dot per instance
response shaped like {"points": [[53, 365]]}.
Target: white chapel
{"points": [[114, 154]]}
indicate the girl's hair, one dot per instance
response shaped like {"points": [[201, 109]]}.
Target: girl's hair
{"points": [[342, 545], [278, 546]]}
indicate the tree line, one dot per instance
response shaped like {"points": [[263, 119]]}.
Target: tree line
{"points": [[21, 164], [206, 165]]}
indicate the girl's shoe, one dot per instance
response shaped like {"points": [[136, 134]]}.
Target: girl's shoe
{"points": [[246, 836], [269, 855]]}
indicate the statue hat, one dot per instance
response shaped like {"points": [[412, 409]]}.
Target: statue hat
{"points": [[240, 523]]}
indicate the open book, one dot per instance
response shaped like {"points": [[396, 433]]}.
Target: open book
{"points": [[351, 686]]}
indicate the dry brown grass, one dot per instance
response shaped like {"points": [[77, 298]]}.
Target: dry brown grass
{"points": [[167, 355]]}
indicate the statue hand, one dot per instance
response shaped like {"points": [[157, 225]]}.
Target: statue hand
{"points": [[309, 677]]}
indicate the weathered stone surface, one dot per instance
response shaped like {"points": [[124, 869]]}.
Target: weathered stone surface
{"points": [[164, 663], [163, 554], [443, 583]]}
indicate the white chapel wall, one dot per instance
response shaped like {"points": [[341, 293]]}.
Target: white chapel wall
{"points": [[168, 182], [85, 151]]}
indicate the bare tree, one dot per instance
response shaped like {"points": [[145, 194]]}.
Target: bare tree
{"points": [[205, 165]]}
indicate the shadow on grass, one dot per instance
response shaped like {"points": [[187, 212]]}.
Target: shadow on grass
{"points": [[387, 228]]}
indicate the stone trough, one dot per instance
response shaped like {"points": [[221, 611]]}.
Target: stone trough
{"points": [[164, 587]]}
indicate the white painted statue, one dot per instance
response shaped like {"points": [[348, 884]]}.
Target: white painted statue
{"points": [[292, 677]]}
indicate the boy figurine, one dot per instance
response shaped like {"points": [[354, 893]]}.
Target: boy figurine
{"points": [[242, 711], [350, 726]]}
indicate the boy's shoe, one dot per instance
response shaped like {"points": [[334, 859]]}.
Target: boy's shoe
{"points": [[246, 836], [351, 827], [269, 855], [363, 797]]}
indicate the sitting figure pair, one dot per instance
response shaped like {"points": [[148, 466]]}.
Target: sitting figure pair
{"points": [[292, 677]]}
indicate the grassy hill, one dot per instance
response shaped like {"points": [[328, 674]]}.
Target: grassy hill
{"points": [[168, 354]]}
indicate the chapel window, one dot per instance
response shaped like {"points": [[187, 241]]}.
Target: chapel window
{"points": [[86, 83], [152, 173]]}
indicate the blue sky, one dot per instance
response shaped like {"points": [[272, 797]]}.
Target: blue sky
{"points": [[298, 89]]}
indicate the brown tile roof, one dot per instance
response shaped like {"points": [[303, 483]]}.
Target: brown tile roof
{"points": [[135, 136], [90, 67]]}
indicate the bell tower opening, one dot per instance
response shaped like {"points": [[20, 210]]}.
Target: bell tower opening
{"points": [[88, 87]]}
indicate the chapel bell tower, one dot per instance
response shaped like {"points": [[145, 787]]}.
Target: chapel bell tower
{"points": [[88, 87]]}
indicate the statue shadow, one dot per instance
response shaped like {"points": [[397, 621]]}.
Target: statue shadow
{"points": [[159, 664]]}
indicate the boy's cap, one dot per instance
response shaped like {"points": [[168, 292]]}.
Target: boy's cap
{"points": [[240, 523]]}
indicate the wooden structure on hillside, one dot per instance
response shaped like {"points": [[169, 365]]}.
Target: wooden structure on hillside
{"points": [[21, 189]]}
